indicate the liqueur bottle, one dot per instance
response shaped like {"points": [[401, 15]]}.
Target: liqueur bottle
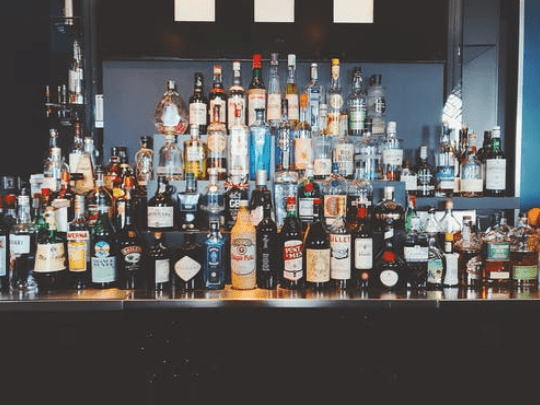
{"points": [[267, 250], [292, 250], [187, 264], [217, 145], [260, 145], [170, 115], [170, 163], [216, 256], [256, 90], [198, 105], [159, 264], [357, 104], [195, 153], [496, 244], [274, 93], [316, 95], [416, 247], [260, 196], [392, 154], [303, 141], [435, 264], [239, 149], [78, 247], [390, 270], [496, 166], [362, 245], [446, 164], [104, 252], [367, 154], [317, 251], [50, 269], [523, 256], [237, 192], [218, 96], [144, 165], [63, 205], [243, 251], [470, 262], [340, 253], [308, 190], [236, 103], [291, 91], [161, 208], [334, 190], [425, 175], [188, 202]]}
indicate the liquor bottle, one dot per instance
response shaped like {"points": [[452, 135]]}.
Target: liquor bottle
{"points": [[54, 163], [435, 264], [195, 153], [482, 153], [78, 247], [76, 149], [323, 146], [50, 270], [392, 154], [131, 249], [10, 216], [388, 211], [496, 166], [274, 93], [377, 104], [425, 175], [362, 245], [446, 164], [409, 177], [93, 152], [416, 247], [260, 147], [496, 246], [335, 102], [144, 165], [291, 91], [63, 204], [124, 170], [357, 104], [317, 251], [411, 216], [212, 205], [243, 251], [187, 264], [316, 95], [359, 194], [198, 105], [470, 262], [239, 149], [188, 203], [267, 249], [256, 90], [112, 170], [367, 154], [22, 249], [99, 199], [236, 103], [343, 155], [308, 190], [292, 250], [523, 256], [236, 193], [340, 253], [161, 210], [159, 264], [303, 141], [76, 83], [389, 270], [170, 163], [216, 251], [286, 180], [472, 175], [260, 196], [217, 145], [284, 148], [450, 227], [334, 190], [218, 96], [170, 115]]}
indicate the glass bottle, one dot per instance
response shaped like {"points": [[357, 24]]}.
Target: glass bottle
{"points": [[357, 104], [308, 190], [359, 194], [362, 245], [243, 251], [340, 253], [112, 170], [412, 220], [187, 264], [260, 140], [78, 247], [470, 262], [198, 105], [267, 250], [239, 149], [188, 203], [76, 149], [212, 205], [303, 141], [161, 211], [63, 204], [54, 164], [218, 96], [217, 145], [523, 256], [260, 196], [416, 246], [159, 264], [291, 91], [343, 155], [392, 154], [144, 165], [170, 163], [389, 270], [99, 199], [323, 146], [496, 245], [235, 194], [317, 251], [496, 166], [104, 252], [292, 249], [256, 90], [367, 154], [195, 153], [446, 164], [170, 115], [274, 93], [377, 104], [76, 83], [4, 251], [236, 102], [335, 101], [425, 175], [215, 258], [450, 227], [435, 264], [316, 95], [472, 175], [388, 211], [409, 177]]}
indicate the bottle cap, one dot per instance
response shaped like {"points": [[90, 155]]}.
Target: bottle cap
{"points": [[449, 204], [171, 85], [257, 60], [217, 69], [260, 178], [391, 127], [236, 65], [273, 59], [291, 59]]}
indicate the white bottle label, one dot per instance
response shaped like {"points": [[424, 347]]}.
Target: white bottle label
{"points": [[160, 217], [236, 102], [303, 152], [78, 245], [274, 107], [197, 113], [292, 260], [3, 254], [389, 278], [293, 109], [318, 265], [103, 269], [410, 181], [393, 157], [344, 157], [305, 209], [243, 256], [322, 167], [256, 99], [186, 268], [61, 214], [451, 276], [162, 269], [472, 185], [194, 153], [50, 257], [217, 143], [19, 244], [257, 215], [415, 253], [496, 174], [74, 162], [363, 253], [222, 109], [340, 260]]}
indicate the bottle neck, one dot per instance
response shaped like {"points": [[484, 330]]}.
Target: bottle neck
{"points": [[357, 83], [237, 78], [291, 75]]}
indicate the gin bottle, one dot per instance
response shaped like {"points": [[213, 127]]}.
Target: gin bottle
{"points": [[215, 258], [198, 105], [188, 202], [260, 145], [392, 154], [425, 175], [377, 104], [316, 95], [357, 104], [171, 116], [217, 145], [274, 93], [187, 264], [367, 154], [236, 102]]}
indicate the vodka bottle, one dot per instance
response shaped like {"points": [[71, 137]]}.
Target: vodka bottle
{"points": [[239, 149], [286, 180], [316, 95], [260, 145], [236, 101], [274, 93], [377, 104], [284, 150], [392, 154], [367, 154]]}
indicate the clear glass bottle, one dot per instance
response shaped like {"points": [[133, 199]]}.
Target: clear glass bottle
{"points": [[170, 164], [236, 192], [472, 175], [377, 104], [274, 94], [316, 95], [195, 154], [218, 96], [470, 262], [239, 149], [76, 149], [236, 101], [359, 194], [217, 145], [343, 155], [367, 154], [291, 91], [425, 175], [54, 163], [357, 104], [4, 251], [435, 264], [285, 185], [260, 139], [446, 164], [496, 251], [292, 249], [78, 247], [409, 177], [303, 141], [334, 190], [256, 91], [76, 82], [243, 251], [188, 203], [216, 255], [284, 150], [335, 101], [523, 256], [212, 205], [323, 146], [198, 105], [496, 167], [100, 199], [450, 227], [144, 165], [392, 154], [171, 116]]}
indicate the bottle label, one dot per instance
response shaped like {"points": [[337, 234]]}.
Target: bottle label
{"points": [[322, 167], [160, 217], [236, 102], [293, 109], [84, 166], [256, 99], [334, 207], [451, 276], [415, 254], [332, 123], [257, 215], [496, 174], [292, 260], [131, 257], [357, 117], [162, 270], [472, 185], [186, 268], [19, 244], [50, 257], [318, 265], [243, 256], [197, 113], [61, 214], [222, 109], [410, 181], [194, 153], [78, 246], [217, 143], [3, 254], [525, 272], [305, 209], [392, 157], [103, 267], [435, 271], [446, 177], [303, 152], [344, 157], [274, 107], [363, 253], [213, 259], [74, 162], [498, 251], [336, 101], [265, 244], [389, 278], [340, 259]]}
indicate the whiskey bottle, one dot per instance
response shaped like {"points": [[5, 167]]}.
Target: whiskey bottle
{"points": [[267, 249], [216, 257], [496, 166], [159, 264], [317, 251], [357, 104], [243, 251], [256, 90], [236, 103], [161, 208], [260, 147], [195, 154], [472, 175], [112, 170], [291, 91], [274, 94], [217, 145], [470, 261], [198, 105], [187, 264], [292, 250], [170, 115], [496, 246], [523, 256], [218, 96], [78, 247]]}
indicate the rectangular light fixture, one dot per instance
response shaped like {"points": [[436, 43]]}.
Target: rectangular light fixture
{"points": [[195, 10], [276, 11], [353, 11]]}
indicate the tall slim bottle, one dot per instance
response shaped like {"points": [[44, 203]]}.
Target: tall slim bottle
{"points": [[217, 145], [316, 95], [340, 254], [291, 91], [267, 249], [256, 90], [236, 102], [218, 96], [335, 102], [260, 140], [159, 264], [4, 253], [239, 149], [392, 154], [317, 251], [496, 166], [274, 93], [446, 164], [357, 104], [216, 257], [362, 245], [292, 249], [303, 141], [195, 153], [198, 105], [243, 251], [78, 247]]}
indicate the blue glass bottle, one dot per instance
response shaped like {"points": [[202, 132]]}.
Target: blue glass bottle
{"points": [[215, 259], [260, 140]]}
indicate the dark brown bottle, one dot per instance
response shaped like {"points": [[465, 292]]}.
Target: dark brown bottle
{"points": [[317, 251], [389, 272], [159, 264], [267, 242], [161, 209], [292, 249], [218, 96], [187, 264], [198, 105], [362, 245]]}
